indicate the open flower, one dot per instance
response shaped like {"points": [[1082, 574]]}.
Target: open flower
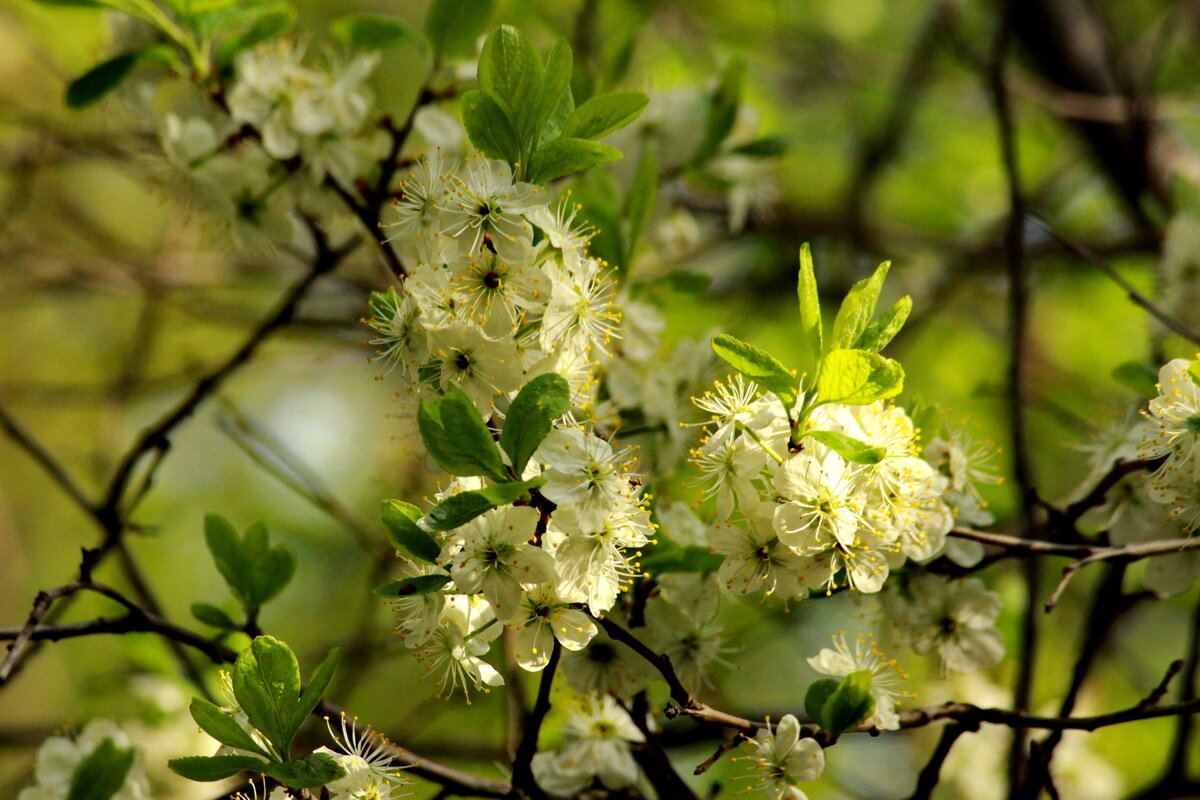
{"points": [[841, 661], [367, 757], [584, 473], [543, 617], [783, 760], [496, 557]]}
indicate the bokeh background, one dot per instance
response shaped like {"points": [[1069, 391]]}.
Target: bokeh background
{"points": [[116, 291]]}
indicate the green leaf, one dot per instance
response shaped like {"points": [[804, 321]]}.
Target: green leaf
{"points": [[810, 306], [531, 415], [1139, 376], [400, 521], [687, 281], [214, 768], [673, 558], [408, 587], [766, 147], [463, 507], [849, 704], [266, 21], [510, 73], [211, 615], [226, 549], [550, 95], [605, 113], [1194, 371], [639, 204], [817, 695], [858, 308], [856, 377], [315, 769], [567, 156], [885, 327], [722, 112], [102, 773], [266, 683], [101, 79], [318, 682], [488, 127], [270, 568], [458, 438], [452, 26], [848, 447], [221, 725], [370, 32], [757, 365]]}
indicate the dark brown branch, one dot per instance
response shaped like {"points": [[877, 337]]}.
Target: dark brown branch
{"points": [[1126, 554], [524, 784], [927, 781], [45, 459]]}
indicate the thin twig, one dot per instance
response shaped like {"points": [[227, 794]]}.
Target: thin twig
{"points": [[522, 768], [1127, 553], [927, 781], [45, 459]]}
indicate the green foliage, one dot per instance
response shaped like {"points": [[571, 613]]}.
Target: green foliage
{"points": [[766, 147], [310, 772], [214, 768], [818, 694], [847, 705], [524, 112], [400, 523], [266, 685], [407, 587], [884, 328], [858, 377], [758, 365], [463, 507], [722, 112], [254, 571], [531, 415], [848, 447], [371, 32], [458, 438], [242, 26], [106, 76], [858, 308], [811, 324], [1140, 376], [451, 26], [211, 615], [1194, 371], [102, 773], [222, 726]]}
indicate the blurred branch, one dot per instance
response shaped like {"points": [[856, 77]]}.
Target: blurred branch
{"points": [[927, 781]]}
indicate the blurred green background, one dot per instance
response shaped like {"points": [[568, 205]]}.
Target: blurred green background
{"points": [[115, 292]]}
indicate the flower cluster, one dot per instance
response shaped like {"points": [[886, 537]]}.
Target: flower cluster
{"points": [[791, 518]]}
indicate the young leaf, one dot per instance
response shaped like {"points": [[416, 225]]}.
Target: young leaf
{"points": [[766, 147], [270, 568], [510, 72], [453, 25], [848, 447], [214, 768], [457, 438], [263, 21], [101, 79], [488, 127], [605, 113], [549, 95], [226, 549], [810, 306], [722, 111], [400, 521], [102, 773], [1193, 371], [849, 704], [463, 507], [407, 587], [211, 615], [221, 725], [817, 695], [856, 377], [370, 32], [758, 365], [266, 683], [566, 156], [315, 769], [858, 308], [530, 416], [885, 327], [318, 682], [1139, 376], [643, 193]]}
